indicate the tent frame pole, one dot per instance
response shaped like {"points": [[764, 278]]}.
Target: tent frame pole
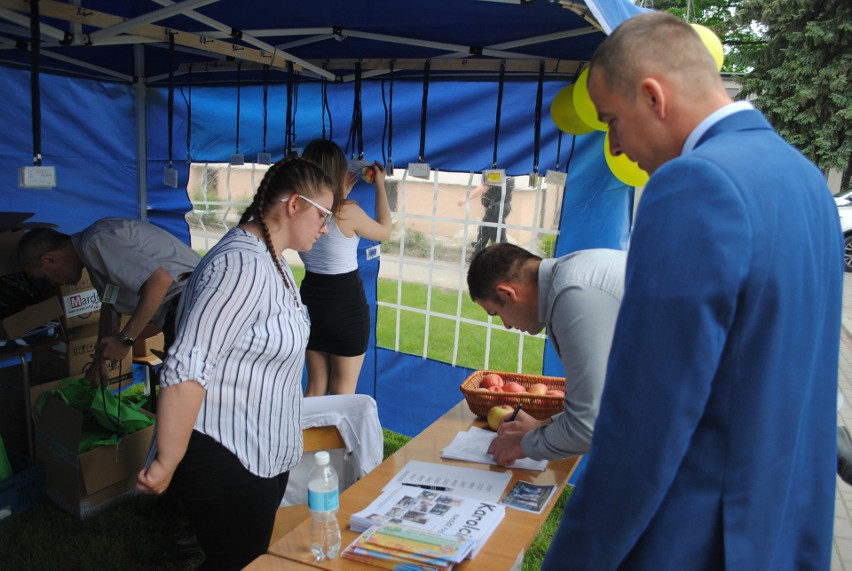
{"points": [[140, 108]]}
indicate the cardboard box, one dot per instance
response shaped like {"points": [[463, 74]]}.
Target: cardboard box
{"points": [[12, 226], [22, 322], [142, 347], [81, 304], [83, 484], [73, 357]]}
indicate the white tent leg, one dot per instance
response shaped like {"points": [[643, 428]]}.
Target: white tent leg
{"points": [[141, 131]]}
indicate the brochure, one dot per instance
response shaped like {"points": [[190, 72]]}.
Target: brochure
{"points": [[391, 545], [434, 511], [528, 496]]}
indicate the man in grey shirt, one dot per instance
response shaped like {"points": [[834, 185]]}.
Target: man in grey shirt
{"points": [[137, 268], [576, 298]]}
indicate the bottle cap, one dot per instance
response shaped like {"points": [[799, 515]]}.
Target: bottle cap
{"points": [[321, 458]]}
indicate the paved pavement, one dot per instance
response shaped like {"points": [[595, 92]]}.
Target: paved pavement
{"points": [[841, 558]]}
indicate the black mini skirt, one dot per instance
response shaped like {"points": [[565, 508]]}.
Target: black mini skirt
{"points": [[340, 317]]}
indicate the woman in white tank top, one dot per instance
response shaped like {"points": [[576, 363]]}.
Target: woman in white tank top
{"points": [[332, 288]]}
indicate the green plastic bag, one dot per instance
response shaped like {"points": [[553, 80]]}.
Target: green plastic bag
{"points": [[5, 465], [106, 417], [118, 414]]}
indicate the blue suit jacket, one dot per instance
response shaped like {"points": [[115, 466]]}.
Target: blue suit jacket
{"points": [[715, 446]]}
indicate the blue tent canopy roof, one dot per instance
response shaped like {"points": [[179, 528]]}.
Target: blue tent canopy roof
{"points": [[104, 39]]}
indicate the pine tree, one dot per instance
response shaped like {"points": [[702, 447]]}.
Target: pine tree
{"points": [[802, 75]]}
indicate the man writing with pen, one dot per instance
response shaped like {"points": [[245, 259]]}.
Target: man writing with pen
{"points": [[576, 298]]}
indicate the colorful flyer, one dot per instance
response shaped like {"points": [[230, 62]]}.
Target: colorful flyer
{"points": [[528, 496]]}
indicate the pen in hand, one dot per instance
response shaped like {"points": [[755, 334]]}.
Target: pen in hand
{"points": [[515, 412]]}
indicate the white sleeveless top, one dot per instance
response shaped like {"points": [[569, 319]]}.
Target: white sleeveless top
{"points": [[333, 253]]}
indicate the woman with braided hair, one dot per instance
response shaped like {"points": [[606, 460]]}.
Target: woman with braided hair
{"points": [[228, 428]]}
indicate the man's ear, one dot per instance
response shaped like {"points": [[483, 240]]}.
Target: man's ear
{"points": [[652, 93], [507, 292], [47, 258]]}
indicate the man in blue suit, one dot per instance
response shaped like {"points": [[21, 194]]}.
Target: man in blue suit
{"points": [[715, 447]]}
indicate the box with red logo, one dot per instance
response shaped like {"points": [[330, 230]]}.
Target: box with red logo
{"points": [[81, 304]]}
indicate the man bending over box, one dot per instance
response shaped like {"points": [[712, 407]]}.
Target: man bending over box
{"points": [[137, 268]]}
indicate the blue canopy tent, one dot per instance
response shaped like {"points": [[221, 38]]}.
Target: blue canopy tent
{"points": [[103, 117]]}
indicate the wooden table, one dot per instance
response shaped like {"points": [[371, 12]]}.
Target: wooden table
{"points": [[505, 548]]}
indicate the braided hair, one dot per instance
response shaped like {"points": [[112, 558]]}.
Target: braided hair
{"points": [[292, 175]]}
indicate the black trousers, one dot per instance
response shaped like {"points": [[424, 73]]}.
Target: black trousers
{"points": [[231, 510], [489, 233]]}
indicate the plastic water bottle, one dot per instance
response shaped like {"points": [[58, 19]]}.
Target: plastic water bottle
{"points": [[323, 501]]}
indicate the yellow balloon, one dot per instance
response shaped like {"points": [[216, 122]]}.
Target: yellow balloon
{"points": [[583, 103], [565, 116], [623, 168], [712, 42]]}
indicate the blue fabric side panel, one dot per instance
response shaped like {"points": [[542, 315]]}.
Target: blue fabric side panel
{"points": [[596, 212], [87, 134], [414, 392], [167, 206], [214, 120], [459, 129], [365, 195], [596, 207]]}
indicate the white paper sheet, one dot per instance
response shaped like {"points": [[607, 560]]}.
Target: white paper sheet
{"points": [[484, 485], [472, 446]]}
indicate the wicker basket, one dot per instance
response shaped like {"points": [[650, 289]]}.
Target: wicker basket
{"points": [[540, 407]]}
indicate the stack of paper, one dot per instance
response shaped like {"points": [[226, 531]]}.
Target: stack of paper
{"points": [[472, 446], [432, 510], [392, 545]]}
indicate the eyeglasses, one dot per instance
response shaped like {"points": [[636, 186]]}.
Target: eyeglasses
{"points": [[328, 213]]}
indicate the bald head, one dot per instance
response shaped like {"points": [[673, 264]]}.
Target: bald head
{"points": [[653, 81], [656, 44]]}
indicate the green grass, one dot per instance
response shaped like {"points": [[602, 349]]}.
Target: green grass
{"points": [[471, 339], [137, 534]]}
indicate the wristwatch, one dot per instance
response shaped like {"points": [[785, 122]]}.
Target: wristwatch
{"points": [[125, 340]]}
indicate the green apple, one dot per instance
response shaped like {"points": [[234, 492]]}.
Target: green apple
{"points": [[496, 414]]}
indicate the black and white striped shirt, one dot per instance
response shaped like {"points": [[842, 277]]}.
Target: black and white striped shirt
{"points": [[242, 333]]}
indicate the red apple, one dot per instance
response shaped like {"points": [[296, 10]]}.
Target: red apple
{"points": [[497, 413], [537, 389], [556, 393], [513, 387], [491, 380], [369, 173], [495, 389]]}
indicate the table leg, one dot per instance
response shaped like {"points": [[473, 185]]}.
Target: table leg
{"points": [[25, 376]]}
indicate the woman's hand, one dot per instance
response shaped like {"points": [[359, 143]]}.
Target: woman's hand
{"points": [[380, 175], [154, 479]]}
